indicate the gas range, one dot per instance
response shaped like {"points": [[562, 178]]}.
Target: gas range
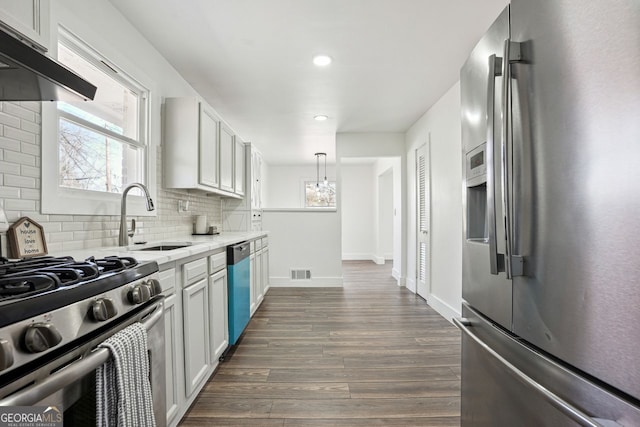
{"points": [[51, 305]]}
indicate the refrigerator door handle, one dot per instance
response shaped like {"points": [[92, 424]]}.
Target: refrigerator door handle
{"points": [[513, 264], [496, 260], [565, 407]]}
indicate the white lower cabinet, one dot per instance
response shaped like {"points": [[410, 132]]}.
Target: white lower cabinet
{"points": [[258, 278], [219, 330], [252, 282], [173, 354], [195, 306], [259, 272], [265, 269]]}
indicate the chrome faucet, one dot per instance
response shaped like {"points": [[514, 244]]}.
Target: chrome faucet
{"points": [[123, 238]]}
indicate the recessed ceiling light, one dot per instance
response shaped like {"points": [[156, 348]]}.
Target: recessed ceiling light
{"points": [[322, 60], [321, 117]]}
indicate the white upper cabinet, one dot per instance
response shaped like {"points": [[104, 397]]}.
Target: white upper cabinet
{"points": [[209, 147], [239, 175], [226, 158], [29, 18], [256, 180], [198, 148]]}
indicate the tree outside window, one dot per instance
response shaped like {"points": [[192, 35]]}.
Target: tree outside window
{"points": [[320, 195]]}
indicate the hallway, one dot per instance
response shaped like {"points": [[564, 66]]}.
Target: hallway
{"points": [[367, 354]]}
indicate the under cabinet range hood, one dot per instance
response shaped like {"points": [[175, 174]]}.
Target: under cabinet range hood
{"points": [[28, 75]]}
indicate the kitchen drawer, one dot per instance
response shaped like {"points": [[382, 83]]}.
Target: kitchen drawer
{"points": [[217, 262], [194, 271], [258, 243], [168, 281]]}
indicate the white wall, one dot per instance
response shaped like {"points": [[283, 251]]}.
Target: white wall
{"points": [[440, 125], [303, 240], [358, 211], [284, 187]]}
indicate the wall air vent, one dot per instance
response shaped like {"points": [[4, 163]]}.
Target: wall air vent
{"points": [[300, 274]]}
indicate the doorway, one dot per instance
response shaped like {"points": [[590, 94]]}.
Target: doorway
{"points": [[384, 243], [371, 210]]}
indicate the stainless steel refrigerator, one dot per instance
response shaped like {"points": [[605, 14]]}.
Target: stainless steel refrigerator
{"points": [[551, 245]]}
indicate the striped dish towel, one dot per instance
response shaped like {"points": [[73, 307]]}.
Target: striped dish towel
{"points": [[123, 390]]}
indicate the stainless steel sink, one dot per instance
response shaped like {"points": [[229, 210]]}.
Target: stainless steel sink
{"points": [[165, 247]]}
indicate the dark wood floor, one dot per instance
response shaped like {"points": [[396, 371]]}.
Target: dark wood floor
{"points": [[368, 354]]}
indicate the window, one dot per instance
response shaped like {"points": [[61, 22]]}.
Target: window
{"points": [[320, 195], [101, 146]]}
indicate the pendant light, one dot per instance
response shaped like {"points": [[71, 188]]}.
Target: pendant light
{"points": [[325, 181]]}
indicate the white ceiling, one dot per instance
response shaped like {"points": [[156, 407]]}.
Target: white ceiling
{"points": [[251, 60]]}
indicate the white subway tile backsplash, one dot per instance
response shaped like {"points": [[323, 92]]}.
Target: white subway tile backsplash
{"points": [[29, 194], [19, 134], [30, 126], [31, 171], [54, 247], [52, 227], [19, 111], [20, 178], [81, 235], [9, 120], [33, 149], [7, 167], [63, 236], [9, 144], [20, 158], [19, 181], [31, 105], [19, 205], [72, 226], [9, 193]]}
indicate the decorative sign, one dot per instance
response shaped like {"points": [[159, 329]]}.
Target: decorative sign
{"points": [[26, 239]]}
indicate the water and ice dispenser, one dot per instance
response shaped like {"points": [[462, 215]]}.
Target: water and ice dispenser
{"points": [[476, 183]]}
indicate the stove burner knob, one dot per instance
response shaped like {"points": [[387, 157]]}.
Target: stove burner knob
{"points": [[6, 354], [103, 309], [139, 294], [154, 286], [40, 337]]}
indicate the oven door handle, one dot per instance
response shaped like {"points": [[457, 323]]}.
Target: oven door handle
{"points": [[32, 395]]}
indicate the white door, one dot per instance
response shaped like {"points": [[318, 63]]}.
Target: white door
{"points": [[423, 249]]}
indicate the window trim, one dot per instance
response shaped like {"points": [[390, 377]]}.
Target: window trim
{"points": [[67, 201]]}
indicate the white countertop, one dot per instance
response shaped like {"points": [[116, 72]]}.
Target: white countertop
{"points": [[199, 244]]}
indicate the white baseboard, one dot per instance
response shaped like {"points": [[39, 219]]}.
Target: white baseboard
{"points": [[402, 281], [443, 308], [388, 256], [316, 282], [410, 283], [378, 259], [357, 257]]}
